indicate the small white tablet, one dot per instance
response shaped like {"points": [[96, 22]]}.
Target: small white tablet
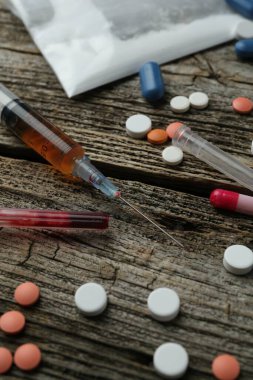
{"points": [[171, 360], [91, 299], [199, 100], [238, 259], [180, 104], [172, 155], [163, 304], [138, 126]]}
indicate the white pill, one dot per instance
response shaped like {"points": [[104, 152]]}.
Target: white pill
{"points": [[252, 147], [171, 360], [199, 100], [244, 29], [91, 299], [180, 104], [172, 155], [163, 304], [138, 126], [238, 259]]}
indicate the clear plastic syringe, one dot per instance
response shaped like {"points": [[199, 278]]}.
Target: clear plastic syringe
{"points": [[56, 147], [191, 143]]}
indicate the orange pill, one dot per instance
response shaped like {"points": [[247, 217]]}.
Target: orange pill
{"points": [[12, 322], [27, 357], [27, 294], [157, 136], [5, 360], [226, 367], [172, 128], [242, 105]]}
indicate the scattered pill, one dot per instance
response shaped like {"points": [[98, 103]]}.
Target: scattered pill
{"points": [[244, 49], [172, 128], [27, 294], [244, 29], [138, 126], [157, 136], [5, 360], [172, 155], [163, 304], [226, 367], [244, 7], [91, 299], [238, 259], [180, 104], [199, 100], [232, 201], [171, 360], [151, 81], [12, 322], [242, 105], [27, 357]]}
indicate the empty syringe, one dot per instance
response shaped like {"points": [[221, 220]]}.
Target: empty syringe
{"points": [[192, 143], [56, 147]]}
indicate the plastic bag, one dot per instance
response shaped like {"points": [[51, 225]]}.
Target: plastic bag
{"points": [[89, 43]]}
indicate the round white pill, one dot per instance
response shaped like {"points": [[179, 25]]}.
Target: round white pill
{"points": [[91, 299], [199, 100], [172, 155], [171, 360], [138, 126], [180, 104], [238, 259], [244, 29], [163, 304]]}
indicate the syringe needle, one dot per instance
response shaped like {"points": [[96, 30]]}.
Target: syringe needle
{"points": [[151, 221]]}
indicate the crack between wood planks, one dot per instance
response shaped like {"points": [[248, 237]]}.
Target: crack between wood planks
{"points": [[28, 254], [19, 51]]}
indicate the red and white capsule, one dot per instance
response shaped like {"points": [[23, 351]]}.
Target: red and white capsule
{"points": [[230, 200]]}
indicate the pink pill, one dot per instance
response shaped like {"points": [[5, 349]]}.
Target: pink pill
{"points": [[5, 360], [27, 357], [12, 322], [27, 294], [172, 128], [242, 105]]}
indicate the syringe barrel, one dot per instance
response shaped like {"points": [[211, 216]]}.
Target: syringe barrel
{"points": [[191, 143], [50, 142], [38, 133]]}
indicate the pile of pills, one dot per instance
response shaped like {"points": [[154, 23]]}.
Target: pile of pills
{"points": [[27, 357], [140, 126], [181, 104], [170, 359]]}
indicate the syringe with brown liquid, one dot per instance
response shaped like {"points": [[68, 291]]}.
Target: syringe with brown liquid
{"points": [[56, 147]]}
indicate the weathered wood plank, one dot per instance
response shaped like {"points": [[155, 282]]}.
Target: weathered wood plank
{"points": [[216, 311], [104, 137]]}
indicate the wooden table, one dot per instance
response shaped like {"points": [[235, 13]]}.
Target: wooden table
{"points": [[132, 258]]}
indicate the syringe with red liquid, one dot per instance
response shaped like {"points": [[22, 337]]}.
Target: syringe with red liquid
{"points": [[56, 147], [26, 218]]}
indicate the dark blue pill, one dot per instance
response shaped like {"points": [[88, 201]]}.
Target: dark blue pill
{"points": [[152, 86], [244, 7], [244, 49]]}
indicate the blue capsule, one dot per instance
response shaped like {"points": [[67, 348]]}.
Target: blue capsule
{"points": [[244, 7], [151, 81], [244, 49]]}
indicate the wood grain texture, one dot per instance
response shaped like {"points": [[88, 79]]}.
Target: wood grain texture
{"points": [[132, 257]]}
